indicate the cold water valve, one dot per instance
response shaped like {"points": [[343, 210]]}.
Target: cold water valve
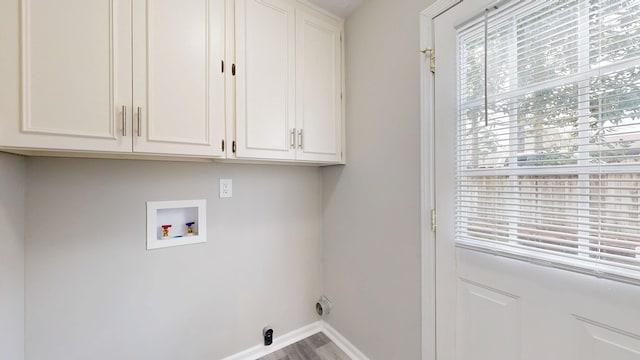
{"points": [[190, 227]]}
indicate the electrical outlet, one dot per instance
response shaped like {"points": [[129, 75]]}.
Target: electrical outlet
{"points": [[226, 188], [267, 333]]}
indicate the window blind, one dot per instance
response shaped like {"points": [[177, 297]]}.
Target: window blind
{"points": [[548, 149]]}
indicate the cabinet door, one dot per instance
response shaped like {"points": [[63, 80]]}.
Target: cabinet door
{"points": [[318, 87], [265, 79], [178, 80], [75, 75]]}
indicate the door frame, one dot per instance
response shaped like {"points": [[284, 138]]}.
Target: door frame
{"points": [[427, 176]]}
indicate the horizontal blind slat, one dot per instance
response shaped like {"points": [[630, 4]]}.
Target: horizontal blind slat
{"points": [[573, 248], [510, 213], [533, 230]]}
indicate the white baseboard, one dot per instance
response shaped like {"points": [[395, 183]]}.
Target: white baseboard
{"points": [[342, 342], [297, 335], [279, 342]]}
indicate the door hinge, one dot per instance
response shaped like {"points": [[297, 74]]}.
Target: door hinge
{"points": [[233, 146], [233, 69], [222, 65], [222, 145], [433, 220], [432, 58]]}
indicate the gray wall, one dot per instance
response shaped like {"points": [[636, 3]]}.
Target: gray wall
{"points": [[372, 205], [94, 292], [12, 191]]}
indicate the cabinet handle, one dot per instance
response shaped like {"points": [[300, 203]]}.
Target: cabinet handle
{"points": [[292, 139], [300, 138], [124, 120], [139, 121]]}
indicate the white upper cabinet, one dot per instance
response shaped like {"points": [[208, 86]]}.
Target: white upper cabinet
{"points": [[75, 75], [178, 83], [265, 79], [318, 87], [237, 79], [88, 85], [288, 82]]}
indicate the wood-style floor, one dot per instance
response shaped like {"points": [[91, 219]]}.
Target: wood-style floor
{"points": [[315, 347]]}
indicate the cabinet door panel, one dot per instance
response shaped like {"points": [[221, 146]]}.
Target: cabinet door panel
{"points": [[265, 107], [318, 87], [178, 80], [75, 76]]}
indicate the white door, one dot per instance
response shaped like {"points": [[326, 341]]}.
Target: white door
{"points": [[493, 307], [179, 98], [318, 87], [265, 79], [75, 70]]}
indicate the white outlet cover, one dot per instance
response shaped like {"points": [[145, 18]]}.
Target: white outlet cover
{"points": [[226, 188]]}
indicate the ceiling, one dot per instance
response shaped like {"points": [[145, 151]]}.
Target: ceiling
{"points": [[342, 8]]}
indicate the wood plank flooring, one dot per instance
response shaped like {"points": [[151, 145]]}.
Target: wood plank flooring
{"points": [[315, 347]]}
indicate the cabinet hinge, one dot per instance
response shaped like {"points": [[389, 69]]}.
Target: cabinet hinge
{"points": [[222, 65], [233, 146], [432, 58], [222, 145], [233, 69], [433, 220]]}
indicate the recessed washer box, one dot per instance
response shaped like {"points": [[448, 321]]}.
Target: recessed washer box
{"points": [[175, 223]]}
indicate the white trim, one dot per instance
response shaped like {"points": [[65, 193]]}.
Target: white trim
{"points": [[297, 335], [278, 342], [433, 11], [323, 11], [428, 263], [342, 342]]}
